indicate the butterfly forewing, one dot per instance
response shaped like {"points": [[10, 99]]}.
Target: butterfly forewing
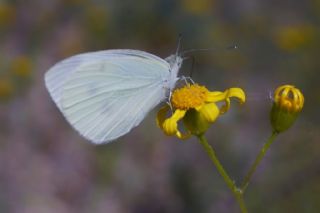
{"points": [[105, 95]]}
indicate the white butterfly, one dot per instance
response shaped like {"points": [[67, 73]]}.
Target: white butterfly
{"points": [[104, 94]]}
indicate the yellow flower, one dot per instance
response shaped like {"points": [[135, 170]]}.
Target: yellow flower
{"points": [[7, 14], [97, 20], [196, 106], [198, 7], [292, 38], [288, 103], [21, 67], [6, 89]]}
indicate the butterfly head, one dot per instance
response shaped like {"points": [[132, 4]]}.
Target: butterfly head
{"points": [[174, 60]]}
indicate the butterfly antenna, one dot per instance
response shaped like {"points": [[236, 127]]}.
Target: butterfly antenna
{"points": [[232, 47], [192, 65], [179, 44]]}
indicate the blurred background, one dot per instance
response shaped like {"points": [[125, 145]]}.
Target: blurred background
{"points": [[45, 166]]}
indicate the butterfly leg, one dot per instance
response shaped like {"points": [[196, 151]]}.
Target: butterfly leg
{"points": [[186, 79]]}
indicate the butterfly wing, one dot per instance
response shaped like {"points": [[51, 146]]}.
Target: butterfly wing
{"points": [[105, 94], [56, 76]]}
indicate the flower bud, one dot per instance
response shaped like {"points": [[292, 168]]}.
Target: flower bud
{"points": [[287, 105]]}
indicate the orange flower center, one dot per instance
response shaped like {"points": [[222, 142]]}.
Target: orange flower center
{"points": [[189, 96]]}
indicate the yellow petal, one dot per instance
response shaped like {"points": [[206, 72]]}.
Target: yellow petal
{"points": [[225, 107], [225, 96], [161, 115], [215, 96], [237, 93], [300, 98], [170, 125], [278, 92], [229, 93], [210, 112]]}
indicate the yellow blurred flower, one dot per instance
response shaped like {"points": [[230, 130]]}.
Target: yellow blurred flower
{"points": [[97, 19], [196, 106], [74, 2], [6, 89], [21, 67], [7, 14], [198, 7], [291, 38], [72, 41]]}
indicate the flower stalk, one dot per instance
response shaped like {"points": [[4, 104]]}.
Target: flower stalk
{"points": [[257, 161], [238, 194]]}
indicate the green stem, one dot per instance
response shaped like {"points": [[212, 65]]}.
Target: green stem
{"points": [[259, 157], [238, 194]]}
